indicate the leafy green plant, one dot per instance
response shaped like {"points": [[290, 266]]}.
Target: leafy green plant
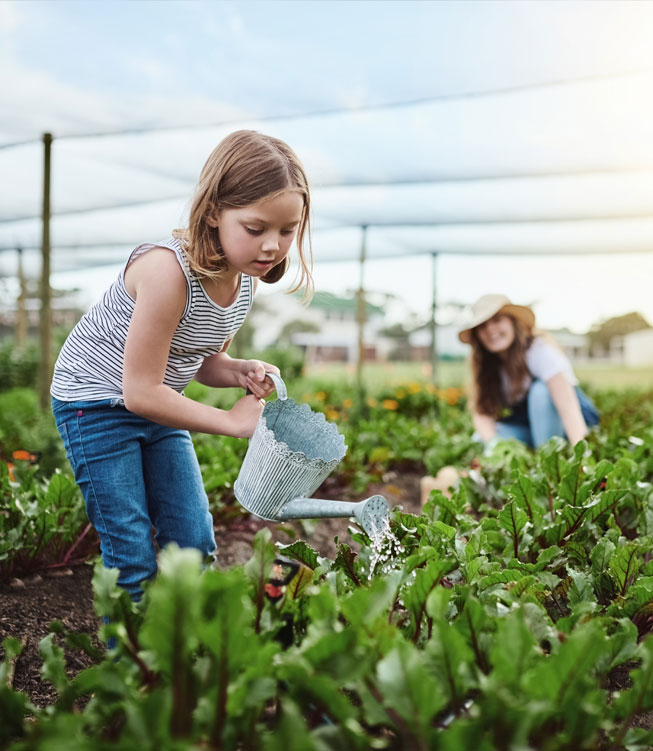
{"points": [[39, 521], [24, 426], [495, 619]]}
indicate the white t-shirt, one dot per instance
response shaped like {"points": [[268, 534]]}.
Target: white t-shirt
{"points": [[544, 360]]}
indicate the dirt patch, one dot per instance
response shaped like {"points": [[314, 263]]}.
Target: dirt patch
{"points": [[26, 613], [27, 610]]}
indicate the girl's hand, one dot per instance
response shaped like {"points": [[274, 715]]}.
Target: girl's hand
{"points": [[253, 377], [243, 416]]}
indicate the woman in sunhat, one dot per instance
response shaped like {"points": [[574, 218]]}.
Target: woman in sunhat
{"points": [[523, 386]]}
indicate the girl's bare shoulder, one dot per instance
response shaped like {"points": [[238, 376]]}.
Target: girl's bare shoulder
{"points": [[157, 268]]}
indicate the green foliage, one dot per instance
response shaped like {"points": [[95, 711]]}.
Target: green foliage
{"points": [[289, 360], [19, 366], [198, 663], [495, 619], [24, 426], [39, 520]]}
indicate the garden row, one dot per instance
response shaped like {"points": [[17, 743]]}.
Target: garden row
{"points": [[42, 518], [515, 614]]}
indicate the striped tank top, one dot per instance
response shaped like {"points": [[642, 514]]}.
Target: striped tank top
{"points": [[89, 366]]}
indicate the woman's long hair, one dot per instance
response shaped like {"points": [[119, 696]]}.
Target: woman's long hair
{"points": [[487, 395], [245, 168]]}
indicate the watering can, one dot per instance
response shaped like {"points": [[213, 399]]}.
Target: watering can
{"points": [[290, 454]]}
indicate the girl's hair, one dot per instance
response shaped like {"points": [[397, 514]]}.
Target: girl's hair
{"points": [[246, 167], [487, 385]]}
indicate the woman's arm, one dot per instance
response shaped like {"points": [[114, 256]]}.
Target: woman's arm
{"points": [[566, 402], [485, 426], [157, 283]]}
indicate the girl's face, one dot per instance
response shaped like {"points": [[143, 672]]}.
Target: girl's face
{"points": [[258, 237], [497, 334]]}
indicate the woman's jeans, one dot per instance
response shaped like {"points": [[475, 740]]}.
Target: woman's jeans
{"points": [[135, 475], [543, 418]]}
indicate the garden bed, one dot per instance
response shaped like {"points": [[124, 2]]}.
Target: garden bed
{"points": [[29, 605]]}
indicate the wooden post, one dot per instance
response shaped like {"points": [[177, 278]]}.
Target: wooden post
{"points": [[45, 323], [361, 316], [434, 325], [21, 301]]}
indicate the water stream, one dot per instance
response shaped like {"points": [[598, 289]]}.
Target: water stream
{"points": [[385, 548]]}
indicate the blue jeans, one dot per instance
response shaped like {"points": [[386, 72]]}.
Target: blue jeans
{"points": [[135, 475], [543, 420]]}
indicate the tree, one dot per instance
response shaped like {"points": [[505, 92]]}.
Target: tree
{"points": [[400, 337], [601, 334], [244, 340], [296, 327]]}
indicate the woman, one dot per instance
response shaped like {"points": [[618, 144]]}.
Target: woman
{"points": [[523, 385]]}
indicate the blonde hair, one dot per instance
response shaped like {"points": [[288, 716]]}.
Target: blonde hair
{"points": [[245, 168]]}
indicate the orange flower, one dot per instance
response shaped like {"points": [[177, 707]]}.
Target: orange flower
{"points": [[23, 456], [390, 404], [320, 396], [414, 387], [347, 403], [451, 396], [331, 413]]}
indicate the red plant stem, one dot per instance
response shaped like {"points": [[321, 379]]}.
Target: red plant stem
{"points": [[61, 564], [87, 529]]}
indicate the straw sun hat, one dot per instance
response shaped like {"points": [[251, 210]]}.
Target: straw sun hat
{"points": [[488, 306]]}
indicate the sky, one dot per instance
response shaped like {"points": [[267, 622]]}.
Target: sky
{"points": [[463, 128]]}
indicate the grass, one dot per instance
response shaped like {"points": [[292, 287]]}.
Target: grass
{"points": [[454, 373], [601, 376]]}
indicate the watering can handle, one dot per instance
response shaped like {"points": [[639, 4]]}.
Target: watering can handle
{"points": [[279, 385]]}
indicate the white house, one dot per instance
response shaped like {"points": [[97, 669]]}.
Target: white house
{"points": [[335, 318], [637, 348], [446, 340]]}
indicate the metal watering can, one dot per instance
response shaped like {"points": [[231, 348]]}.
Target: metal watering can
{"points": [[290, 454]]}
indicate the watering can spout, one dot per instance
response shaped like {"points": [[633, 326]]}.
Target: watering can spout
{"points": [[372, 514]]}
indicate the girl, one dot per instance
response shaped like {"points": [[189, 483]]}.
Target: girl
{"points": [[523, 385], [168, 318]]}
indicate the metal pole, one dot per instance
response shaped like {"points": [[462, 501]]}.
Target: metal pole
{"points": [[21, 311], [434, 326], [361, 315], [45, 291]]}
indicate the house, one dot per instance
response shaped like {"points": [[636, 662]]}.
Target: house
{"points": [[575, 346], [331, 323], [449, 346], [636, 348], [65, 313]]}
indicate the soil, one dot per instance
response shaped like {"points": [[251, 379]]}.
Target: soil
{"points": [[28, 606]]}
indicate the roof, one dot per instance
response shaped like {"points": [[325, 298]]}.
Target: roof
{"points": [[331, 302]]}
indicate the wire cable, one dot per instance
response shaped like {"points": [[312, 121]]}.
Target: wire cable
{"points": [[329, 111], [359, 184]]}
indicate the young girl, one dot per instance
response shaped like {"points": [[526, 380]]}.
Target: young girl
{"points": [[523, 385], [168, 319]]}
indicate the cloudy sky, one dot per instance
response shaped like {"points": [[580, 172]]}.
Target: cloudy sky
{"points": [[466, 128]]}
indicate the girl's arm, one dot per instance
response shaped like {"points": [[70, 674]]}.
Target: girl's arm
{"points": [[224, 371], [566, 402], [485, 426], [157, 283]]}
